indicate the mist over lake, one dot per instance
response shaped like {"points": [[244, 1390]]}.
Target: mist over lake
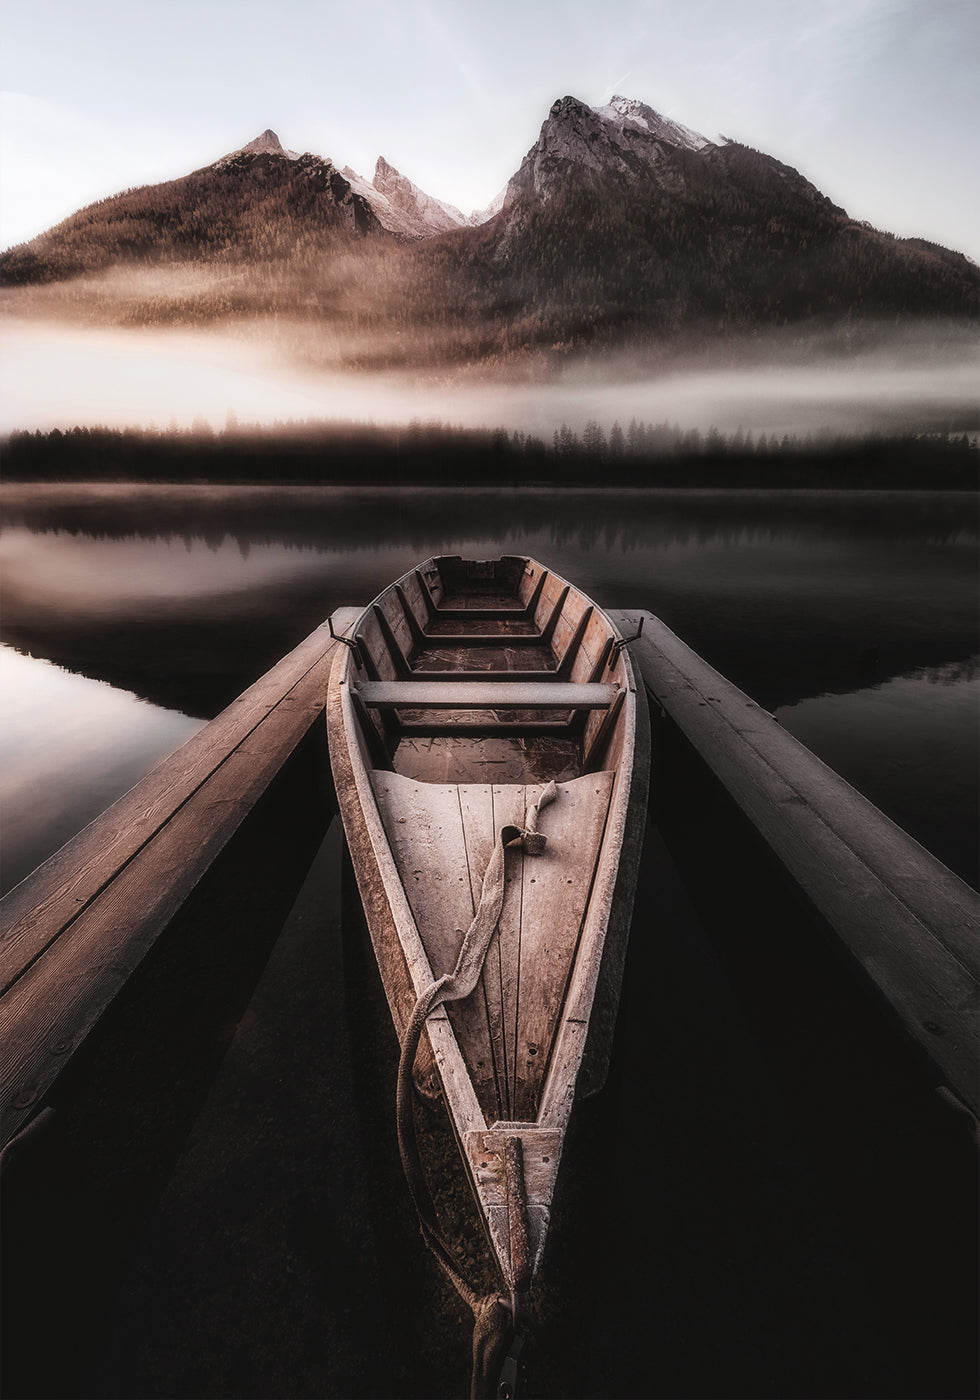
{"points": [[58, 375]]}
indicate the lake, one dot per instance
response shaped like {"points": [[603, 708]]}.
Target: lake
{"points": [[131, 613], [798, 1202]]}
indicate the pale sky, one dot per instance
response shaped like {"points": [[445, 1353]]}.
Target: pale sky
{"points": [[876, 101]]}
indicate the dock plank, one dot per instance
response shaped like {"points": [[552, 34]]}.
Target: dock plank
{"points": [[912, 926], [106, 897], [37, 910]]}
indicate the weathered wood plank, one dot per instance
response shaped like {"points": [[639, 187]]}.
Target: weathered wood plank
{"points": [[38, 909], [555, 895], [514, 677], [424, 829], [505, 612], [69, 979], [488, 695], [424, 826], [911, 925], [510, 809], [476, 806], [542, 1151]]}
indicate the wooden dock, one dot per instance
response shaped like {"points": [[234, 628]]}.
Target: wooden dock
{"points": [[75, 931], [911, 927]]}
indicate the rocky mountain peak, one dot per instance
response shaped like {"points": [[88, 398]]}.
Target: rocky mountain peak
{"points": [[401, 207], [267, 144], [392, 183], [625, 138], [622, 110]]}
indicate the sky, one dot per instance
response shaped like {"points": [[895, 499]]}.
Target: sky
{"points": [[876, 101]]}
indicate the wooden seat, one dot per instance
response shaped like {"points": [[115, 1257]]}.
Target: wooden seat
{"points": [[485, 695]]}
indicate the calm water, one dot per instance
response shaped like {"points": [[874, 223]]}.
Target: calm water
{"points": [[751, 1113], [131, 613]]}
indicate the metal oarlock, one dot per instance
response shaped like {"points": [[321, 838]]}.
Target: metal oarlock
{"points": [[347, 641], [625, 641]]}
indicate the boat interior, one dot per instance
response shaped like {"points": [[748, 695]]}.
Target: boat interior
{"points": [[487, 670], [473, 684]]}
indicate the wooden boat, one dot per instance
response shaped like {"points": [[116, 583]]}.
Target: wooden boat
{"points": [[475, 701]]}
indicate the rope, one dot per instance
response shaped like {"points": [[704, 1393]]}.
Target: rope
{"points": [[494, 1318]]}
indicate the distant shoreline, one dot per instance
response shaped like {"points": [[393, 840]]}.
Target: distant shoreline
{"points": [[642, 457]]}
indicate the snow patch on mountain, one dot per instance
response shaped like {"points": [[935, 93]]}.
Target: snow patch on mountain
{"points": [[403, 208], [621, 111], [426, 214]]}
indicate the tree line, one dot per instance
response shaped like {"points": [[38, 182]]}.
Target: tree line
{"points": [[641, 455]]}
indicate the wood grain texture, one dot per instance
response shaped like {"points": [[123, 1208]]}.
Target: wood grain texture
{"points": [[424, 826], [37, 910], [912, 926], [480, 825], [555, 893], [107, 896], [441, 837], [488, 695], [510, 809]]}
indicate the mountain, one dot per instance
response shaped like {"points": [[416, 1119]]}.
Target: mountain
{"points": [[626, 225], [268, 144], [624, 138], [401, 207], [259, 204], [621, 229]]}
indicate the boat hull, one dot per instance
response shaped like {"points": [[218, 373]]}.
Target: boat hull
{"points": [[427, 772]]}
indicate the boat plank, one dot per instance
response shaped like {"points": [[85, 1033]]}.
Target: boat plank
{"points": [[908, 921], [509, 809], [36, 912], [554, 897], [476, 805], [424, 826]]}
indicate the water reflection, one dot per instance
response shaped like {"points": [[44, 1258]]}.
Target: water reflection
{"points": [[185, 595], [354, 519], [901, 744], [69, 747]]}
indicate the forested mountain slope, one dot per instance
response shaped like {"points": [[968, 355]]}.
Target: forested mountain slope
{"points": [[621, 229]]}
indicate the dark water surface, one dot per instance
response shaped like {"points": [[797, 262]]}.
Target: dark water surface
{"points": [[853, 617], [764, 1202]]}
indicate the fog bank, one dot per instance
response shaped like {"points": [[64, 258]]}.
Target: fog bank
{"points": [[56, 376]]}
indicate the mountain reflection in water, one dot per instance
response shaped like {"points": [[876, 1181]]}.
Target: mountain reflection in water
{"points": [[812, 602]]}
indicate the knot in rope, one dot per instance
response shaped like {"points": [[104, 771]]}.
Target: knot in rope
{"points": [[529, 837]]}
